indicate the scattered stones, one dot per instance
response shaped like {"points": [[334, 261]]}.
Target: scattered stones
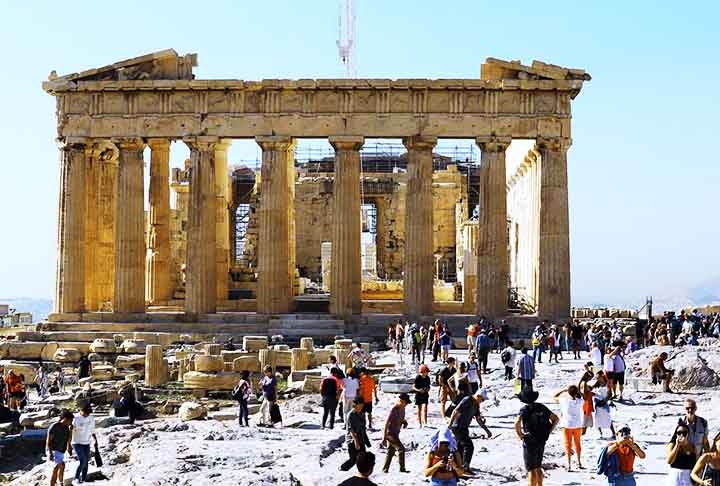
{"points": [[192, 411], [67, 355]]}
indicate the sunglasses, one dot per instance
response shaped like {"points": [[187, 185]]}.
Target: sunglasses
{"points": [[681, 433], [690, 409]]}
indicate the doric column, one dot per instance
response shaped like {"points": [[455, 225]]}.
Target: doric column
{"points": [[129, 231], [554, 244], [419, 262], [101, 158], [70, 274], [201, 287], [492, 263], [158, 234], [222, 201], [276, 237], [346, 268]]}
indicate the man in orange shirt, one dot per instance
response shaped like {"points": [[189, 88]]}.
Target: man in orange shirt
{"points": [[15, 390], [366, 391], [626, 450]]}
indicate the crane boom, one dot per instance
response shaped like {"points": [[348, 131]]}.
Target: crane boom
{"points": [[347, 37]]}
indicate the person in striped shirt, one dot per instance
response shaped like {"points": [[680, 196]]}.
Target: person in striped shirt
{"points": [[525, 371]]}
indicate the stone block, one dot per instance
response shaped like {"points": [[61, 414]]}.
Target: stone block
{"points": [[133, 361], [209, 363], [133, 346], [67, 355], [103, 346], [229, 356], [307, 343], [311, 384], [192, 411], [320, 357], [102, 372], [299, 359], [28, 419], [254, 343], [249, 363], [210, 381], [300, 375]]}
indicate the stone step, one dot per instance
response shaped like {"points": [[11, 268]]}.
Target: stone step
{"points": [[305, 324]]}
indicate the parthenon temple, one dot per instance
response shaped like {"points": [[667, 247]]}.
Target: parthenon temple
{"points": [[448, 236]]}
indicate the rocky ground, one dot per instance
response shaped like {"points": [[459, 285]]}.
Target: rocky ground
{"points": [[203, 452]]}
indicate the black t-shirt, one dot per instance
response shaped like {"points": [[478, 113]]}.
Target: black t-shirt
{"points": [[422, 382], [328, 387], [445, 375], [467, 410], [536, 422], [356, 481], [84, 366], [60, 434]]}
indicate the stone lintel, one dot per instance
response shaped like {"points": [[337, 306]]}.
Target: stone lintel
{"points": [[346, 142]]}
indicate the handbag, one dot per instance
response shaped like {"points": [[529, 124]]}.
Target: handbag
{"points": [[98, 459]]}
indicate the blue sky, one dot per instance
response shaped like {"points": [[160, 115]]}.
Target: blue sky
{"points": [[644, 172]]}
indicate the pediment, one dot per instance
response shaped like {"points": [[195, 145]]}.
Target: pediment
{"points": [[165, 64]]}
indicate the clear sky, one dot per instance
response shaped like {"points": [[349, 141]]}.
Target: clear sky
{"points": [[644, 172]]}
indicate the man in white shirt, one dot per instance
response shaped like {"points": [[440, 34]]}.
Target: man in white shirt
{"points": [[83, 429]]}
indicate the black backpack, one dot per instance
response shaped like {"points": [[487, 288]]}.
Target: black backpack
{"points": [[505, 356], [536, 423], [238, 392]]}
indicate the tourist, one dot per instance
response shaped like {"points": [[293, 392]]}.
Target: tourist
{"points": [[329, 394], [596, 355], [618, 382], [525, 371], [415, 343], [57, 444], [586, 392], [697, 427], [367, 389], [681, 456], [473, 373], [421, 388], [576, 337], [507, 357], [447, 391], [707, 469], [83, 429], [399, 336], [553, 344], [358, 356], [60, 378], [627, 450], [365, 465], [391, 336], [339, 376], [3, 390], [460, 376], [268, 385], [436, 331], [660, 374], [445, 343], [356, 436], [609, 369], [466, 409], [84, 367], [533, 426], [443, 463], [41, 381], [572, 422], [601, 404], [483, 346], [242, 392], [538, 343], [472, 331], [423, 341], [391, 437], [350, 386], [15, 390]]}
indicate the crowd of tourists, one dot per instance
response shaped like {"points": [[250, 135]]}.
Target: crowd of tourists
{"points": [[684, 329]]}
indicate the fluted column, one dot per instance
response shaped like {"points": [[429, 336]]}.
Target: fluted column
{"points": [[419, 262], [201, 270], [158, 234], [276, 236], [101, 158], [129, 231], [222, 224], [346, 268], [554, 243], [70, 273], [492, 263]]}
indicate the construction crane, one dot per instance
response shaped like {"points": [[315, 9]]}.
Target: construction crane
{"points": [[347, 37]]}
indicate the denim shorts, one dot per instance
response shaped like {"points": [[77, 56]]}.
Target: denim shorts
{"points": [[58, 457]]}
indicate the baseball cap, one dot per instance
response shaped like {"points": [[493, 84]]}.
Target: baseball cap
{"points": [[482, 393]]}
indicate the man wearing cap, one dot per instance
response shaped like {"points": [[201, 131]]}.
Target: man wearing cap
{"points": [[626, 450], [391, 437], [533, 426], [467, 408], [83, 429], [357, 439]]}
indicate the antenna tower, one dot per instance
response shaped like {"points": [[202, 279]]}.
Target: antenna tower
{"points": [[347, 37]]}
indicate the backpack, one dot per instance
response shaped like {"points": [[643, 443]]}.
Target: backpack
{"points": [[417, 337], [241, 392], [505, 356], [608, 464], [437, 376], [536, 424]]}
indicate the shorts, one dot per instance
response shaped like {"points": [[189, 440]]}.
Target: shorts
{"points": [[446, 394], [445, 348], [367, 408], [421, 398], [58, 457], [588, 421], [17, 394], [619, 378], [533, 455]]}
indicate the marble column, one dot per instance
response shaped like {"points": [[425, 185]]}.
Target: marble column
{"points": [[346, 262], [158, 234], [276, 239], [70, 273], [222, 201], [492, 264], [554, 243], [201, 270], [419, 261], [101, 159], [129, 228]]}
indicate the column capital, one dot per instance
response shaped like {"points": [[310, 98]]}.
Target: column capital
{"points": [[67, 143], [557, 144], [129, 143], [346, 142], [419, 142], [223, 144], [158, 143], [275, 142], [493, 143], [102, 151], [201, 142]]}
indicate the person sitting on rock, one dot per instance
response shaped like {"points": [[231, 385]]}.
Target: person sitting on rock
{"points": [[660, 374]]}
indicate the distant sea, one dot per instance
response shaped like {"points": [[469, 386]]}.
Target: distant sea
{"points": [[40, 308]]}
